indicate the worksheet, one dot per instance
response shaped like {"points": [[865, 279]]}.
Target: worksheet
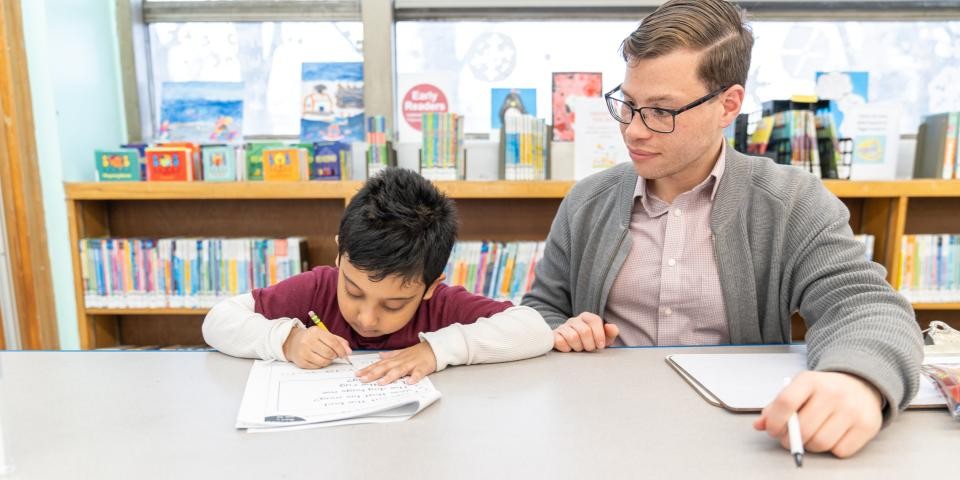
{"points": [[280, 396]]}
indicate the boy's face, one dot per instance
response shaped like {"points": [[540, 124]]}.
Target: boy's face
{"points": [[670, 81], [379, 308]]}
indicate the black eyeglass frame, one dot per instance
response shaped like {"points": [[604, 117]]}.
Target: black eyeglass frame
{"points": [[673, 112]]}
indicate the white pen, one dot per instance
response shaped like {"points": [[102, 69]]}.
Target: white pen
{"points": [[793, 432]]}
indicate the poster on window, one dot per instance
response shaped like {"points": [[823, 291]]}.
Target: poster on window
{"points": [[201, 112], [875, 129], [419, 93], [331, 104], [567, 87]]}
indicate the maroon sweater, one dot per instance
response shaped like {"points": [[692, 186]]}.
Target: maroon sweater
{"points": [[317, 290]]}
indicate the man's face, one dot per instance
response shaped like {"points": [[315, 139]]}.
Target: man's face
{"points": [[671, 82], [374, 309]]}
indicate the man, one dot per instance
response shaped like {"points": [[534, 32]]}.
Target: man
{"points": [[694, 243]]}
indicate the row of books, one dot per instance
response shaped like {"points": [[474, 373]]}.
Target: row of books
{"points": [[441, 153], [379, 151], [525, 143], [930, 268], [801, 138], [257, 161], [937, 155], [183, 272], [502, 271]]}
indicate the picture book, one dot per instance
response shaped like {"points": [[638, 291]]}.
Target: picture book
{"points": [[599, 144], [219, 163], [196, 161], [201, 111], [253, 156], [168, 164], [141, 149], [284, 164], [567, 86], [117, 165], [329, 160], [331, 102]]}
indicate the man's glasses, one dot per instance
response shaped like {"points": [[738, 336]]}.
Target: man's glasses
{"points": [[661, 120]]}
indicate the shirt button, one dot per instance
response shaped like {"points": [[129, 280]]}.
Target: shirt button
{"points": [[671, 262], [667, 311], [676, 212]]}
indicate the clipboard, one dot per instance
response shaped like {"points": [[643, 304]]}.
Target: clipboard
{"points": [[745, 383]]}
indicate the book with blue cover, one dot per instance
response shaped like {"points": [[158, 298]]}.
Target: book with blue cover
{"points": [[219, 163]]}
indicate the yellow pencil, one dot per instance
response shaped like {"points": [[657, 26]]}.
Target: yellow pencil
{"points": [[319, 323]]}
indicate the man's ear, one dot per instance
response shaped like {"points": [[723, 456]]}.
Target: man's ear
{"points": [[732, 102], [433, 286]]}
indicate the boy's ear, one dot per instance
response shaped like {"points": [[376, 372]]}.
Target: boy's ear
{"points": [[433, 286], [336, 239]]}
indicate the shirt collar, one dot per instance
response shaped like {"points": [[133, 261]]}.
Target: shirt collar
{"points": [[715, 175]]}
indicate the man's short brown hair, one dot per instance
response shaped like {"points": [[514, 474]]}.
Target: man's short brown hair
{"points": [[715, 27]]}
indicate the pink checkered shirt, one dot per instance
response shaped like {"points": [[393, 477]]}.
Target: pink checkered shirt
{"points": [[668, 290]]}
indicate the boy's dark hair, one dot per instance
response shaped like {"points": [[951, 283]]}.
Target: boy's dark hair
{"points": [[399, 223]]}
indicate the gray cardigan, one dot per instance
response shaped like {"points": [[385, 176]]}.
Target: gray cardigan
{"points": [[782, 244]]}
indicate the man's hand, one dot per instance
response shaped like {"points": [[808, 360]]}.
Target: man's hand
{"points": [[417, 361], [838, 412], [585, 332], [314, 347]]}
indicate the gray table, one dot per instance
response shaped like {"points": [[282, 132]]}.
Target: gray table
{"points": [[620, 413]]}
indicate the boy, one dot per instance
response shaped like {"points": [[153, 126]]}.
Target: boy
{"points": [[386, 293]]}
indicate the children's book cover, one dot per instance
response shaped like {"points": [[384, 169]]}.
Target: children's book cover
{"points": [[168, 164], [283, 164], [332, 102], [118, 165], [568, 86], [141, 148], [219, 163], [201, 111], [253, 156], [504, 100], [193, 154], [328, 160]]}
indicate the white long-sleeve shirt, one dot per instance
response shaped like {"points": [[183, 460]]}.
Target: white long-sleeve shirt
{"points": [[235, 328]]}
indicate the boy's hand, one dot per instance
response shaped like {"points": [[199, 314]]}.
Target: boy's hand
{"points": [[314, 347], [585, 332], [417, 361], [838, 412]]}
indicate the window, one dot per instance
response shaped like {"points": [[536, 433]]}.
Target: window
{"points": [[911, 63], [265, 56]]}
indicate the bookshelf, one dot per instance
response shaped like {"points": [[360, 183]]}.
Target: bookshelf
{"points": [[495, 210]]}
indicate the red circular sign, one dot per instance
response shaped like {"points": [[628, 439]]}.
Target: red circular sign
{"points": [[422, 98]]}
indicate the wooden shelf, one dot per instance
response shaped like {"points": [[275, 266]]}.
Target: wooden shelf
{"points": [[894, 188], [489, 210], [147, 311], [456, 189], [298, 190], [936, 306], [209, 190]]}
